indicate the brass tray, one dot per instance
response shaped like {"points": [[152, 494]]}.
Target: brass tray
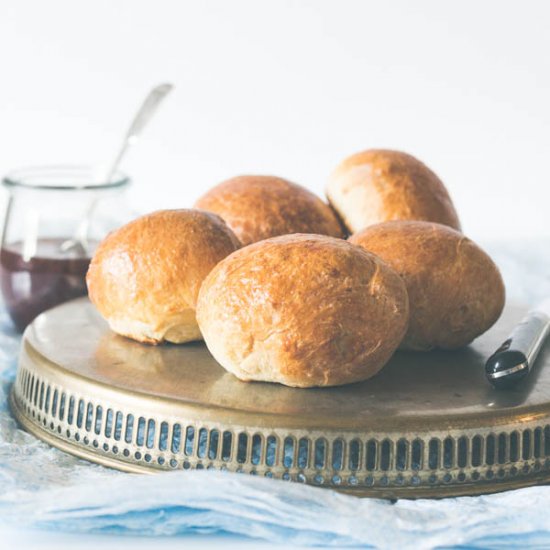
{"points": [[427, 425]]}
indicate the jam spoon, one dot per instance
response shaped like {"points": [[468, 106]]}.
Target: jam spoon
{"points": [[79, 242]]}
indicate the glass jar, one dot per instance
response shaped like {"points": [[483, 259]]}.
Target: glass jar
{"points": [[54, 217]]}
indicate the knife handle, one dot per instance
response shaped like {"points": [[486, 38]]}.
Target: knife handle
{"points": [[516, 356]]}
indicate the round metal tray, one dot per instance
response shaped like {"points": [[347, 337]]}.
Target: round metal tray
{"points": [[427, 425]]}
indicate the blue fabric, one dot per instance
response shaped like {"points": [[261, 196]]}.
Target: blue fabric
{"points": [[43, 487]]}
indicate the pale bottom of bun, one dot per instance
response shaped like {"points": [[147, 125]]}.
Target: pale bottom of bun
{"points": [[295, 383], [428, 346], [261, 366], [176, 329], [452, 342], [451, 339]]}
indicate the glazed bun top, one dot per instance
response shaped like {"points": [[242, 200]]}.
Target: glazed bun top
{"points": [[145, 277], [260, 207], [381, 185]]}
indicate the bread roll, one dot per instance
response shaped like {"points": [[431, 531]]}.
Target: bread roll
{"points": [[380, 185], [302, 310], [145, 277], [260, 207], [455, 290]]}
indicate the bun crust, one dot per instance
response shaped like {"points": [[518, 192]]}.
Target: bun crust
{"points": [[455, 290], [260, 207], [302, 310], [145, 277], [380, 185]]}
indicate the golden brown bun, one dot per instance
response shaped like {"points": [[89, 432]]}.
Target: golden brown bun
{"points": [[302, 310], [381, 185], [260, 207], [455, 290], [145, 277]]}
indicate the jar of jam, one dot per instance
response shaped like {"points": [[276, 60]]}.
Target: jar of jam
{"points": [[54, 217]]}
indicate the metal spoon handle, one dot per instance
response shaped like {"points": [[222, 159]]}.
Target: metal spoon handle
{"points": [[144, 114], [79, 240]]}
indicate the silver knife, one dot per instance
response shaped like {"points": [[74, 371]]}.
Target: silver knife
{"points": [[515, 358]]}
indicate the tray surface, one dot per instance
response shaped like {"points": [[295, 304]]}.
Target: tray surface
{"points": [[428, 424], [432, 385]]}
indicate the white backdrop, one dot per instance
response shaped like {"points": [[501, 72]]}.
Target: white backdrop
{"points": [[288, 88]]}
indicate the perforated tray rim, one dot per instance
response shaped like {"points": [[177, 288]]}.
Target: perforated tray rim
{"points": [[373, 464]]}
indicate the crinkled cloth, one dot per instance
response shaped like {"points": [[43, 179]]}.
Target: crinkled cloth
{"points": [[46, 488]]}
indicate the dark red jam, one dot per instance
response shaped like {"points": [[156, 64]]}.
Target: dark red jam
{"points": [[34, 284]]}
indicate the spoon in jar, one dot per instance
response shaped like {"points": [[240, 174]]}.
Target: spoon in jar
{"points": [[79, 242]]}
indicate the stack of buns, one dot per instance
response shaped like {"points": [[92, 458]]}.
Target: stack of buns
{"points": [[262, 272]]}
